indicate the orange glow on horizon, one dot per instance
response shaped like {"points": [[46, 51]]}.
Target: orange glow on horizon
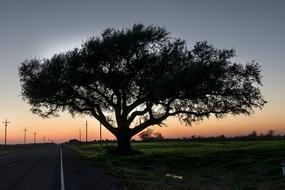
{"points": [[65, 127]]}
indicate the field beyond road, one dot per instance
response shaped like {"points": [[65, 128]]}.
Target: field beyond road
{"points": [[235, 165]]}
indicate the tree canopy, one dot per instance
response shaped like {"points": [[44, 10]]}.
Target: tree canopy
{"points": [[133, 78]]}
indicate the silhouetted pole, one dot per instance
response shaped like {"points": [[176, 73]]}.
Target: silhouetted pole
{"points": [[86, 131], [100, 135], [44, 139], [35, 137], [25, 131], [6, 124], [80, 135]]}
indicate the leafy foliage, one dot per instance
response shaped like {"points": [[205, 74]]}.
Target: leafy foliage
{"points": [[136, 77]]}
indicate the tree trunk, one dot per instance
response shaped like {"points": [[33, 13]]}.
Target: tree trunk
{"points": [[124, 143]]}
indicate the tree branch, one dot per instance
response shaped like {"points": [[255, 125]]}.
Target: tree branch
{"points": [[135, 114], [157, 121], [100, 116], [109, 101]]}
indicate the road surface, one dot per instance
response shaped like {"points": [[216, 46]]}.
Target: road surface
{"points": [[43, 168]]}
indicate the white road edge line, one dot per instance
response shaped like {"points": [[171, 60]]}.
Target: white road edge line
{"points": [[61, 171], [12, 164]]}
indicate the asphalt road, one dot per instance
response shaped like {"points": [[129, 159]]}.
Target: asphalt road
{"points": [[43, 168]]}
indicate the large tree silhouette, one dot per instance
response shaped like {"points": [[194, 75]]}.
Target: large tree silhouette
{"points": [[136, 77]]}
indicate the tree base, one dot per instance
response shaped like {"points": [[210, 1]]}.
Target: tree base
{"points": [[124, 145]]}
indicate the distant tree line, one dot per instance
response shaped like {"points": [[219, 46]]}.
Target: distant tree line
{"points": [[270, 135], [149, 135]]}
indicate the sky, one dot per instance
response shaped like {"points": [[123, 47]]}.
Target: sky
{"points": [[40, 28]]}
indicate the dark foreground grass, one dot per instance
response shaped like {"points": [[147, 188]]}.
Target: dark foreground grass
{"points": [[213, 166]]}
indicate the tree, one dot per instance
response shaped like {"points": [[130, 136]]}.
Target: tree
{"points": [[150, 135], [136, 77], [147, 134], [253, 134], [270, 133], [158, 136]]}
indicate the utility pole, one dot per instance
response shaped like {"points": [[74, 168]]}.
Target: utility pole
{"points": [[35, 137], [44, 139], [86, 132], [100, 135], [25, 131], [6, 124], [80, 135]]}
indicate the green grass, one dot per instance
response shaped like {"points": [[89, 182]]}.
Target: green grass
{"points": [[203, 165]]}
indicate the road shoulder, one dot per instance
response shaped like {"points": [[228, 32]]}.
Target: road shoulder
{"points": [[80, 173]]}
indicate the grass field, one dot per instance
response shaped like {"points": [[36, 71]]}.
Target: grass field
{"points": [[202, 165]]}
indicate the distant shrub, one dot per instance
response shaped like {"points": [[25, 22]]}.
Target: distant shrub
{"points": [[150, 135]]}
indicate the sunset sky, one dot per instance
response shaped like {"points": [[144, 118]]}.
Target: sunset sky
{"points": [[40, 28]]}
